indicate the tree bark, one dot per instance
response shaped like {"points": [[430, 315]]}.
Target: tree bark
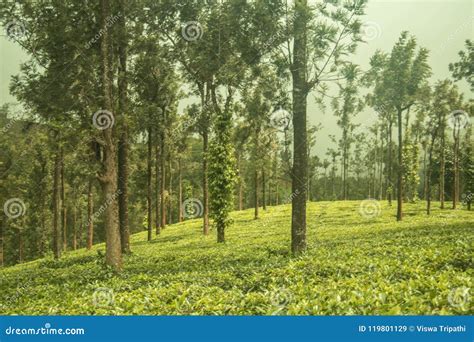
{"points": [[180, 192], [442, 170], [390, 163], [456, 165], [123, 138], [63, 204], [205, 186], [74, 228], [90, 213], [163, 178], [170, 191], [157, 189], [300, 162], [149, 185], [264, 189], [255, 182], [55, 198], [108, 174], [400, 168]]}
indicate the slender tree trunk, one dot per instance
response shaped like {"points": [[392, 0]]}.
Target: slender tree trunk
{"points": [[63, 204], [256, 190], [442, 172], [264, 190], [170, 192], [180, 191], [123, 139], [300, 162], [74, 228], [205, 187], [90, 213], [157, 189], [241, 187], [149, 185], [456, 165], [390, 163], [428, 177], [400, 169], [163, 179], [108, 174], [55, 198], [2, 222], [425, 171]]}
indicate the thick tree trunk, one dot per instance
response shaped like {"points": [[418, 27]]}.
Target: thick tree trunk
{"points": [[108, 174], [55, 198], [90, 213], [400, 169], [300, 162], [149, 185], [123, 139], [205, 187]]}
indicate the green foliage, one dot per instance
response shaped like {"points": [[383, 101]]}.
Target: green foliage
{"points": [[353, 266]]}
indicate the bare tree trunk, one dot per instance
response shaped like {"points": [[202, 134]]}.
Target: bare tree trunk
{"points": [[163, 179], [390, 163], [205, 187], [428, 177], [149, 185], [56, 229], [442, 171], [400, 169], [90, 213], [170, 192], [123, 139], [157, 189], [255, 180], [108, 174], [264, 190], [74, 228], [300, 160], [63, 204], [180, 191]]}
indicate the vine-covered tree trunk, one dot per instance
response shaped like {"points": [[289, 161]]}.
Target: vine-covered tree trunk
{"points": [[149, 185], [400, 168], [300, 162], [108, 174]]}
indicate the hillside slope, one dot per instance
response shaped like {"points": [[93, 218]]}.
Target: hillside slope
{"points": [[356, 264]]}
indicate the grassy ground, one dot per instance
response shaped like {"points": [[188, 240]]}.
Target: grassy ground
{"points": [[355, 264]]}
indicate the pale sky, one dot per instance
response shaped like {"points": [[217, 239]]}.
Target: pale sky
{"points": [[441, 26]]}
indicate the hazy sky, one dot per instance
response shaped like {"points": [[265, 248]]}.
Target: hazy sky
{"points": [[442, 26]]}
